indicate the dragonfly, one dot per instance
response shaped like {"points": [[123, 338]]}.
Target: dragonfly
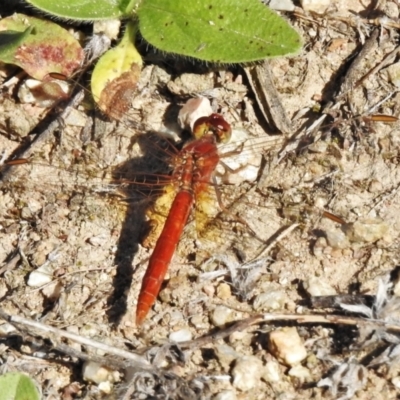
{"points": [[197, 161]]}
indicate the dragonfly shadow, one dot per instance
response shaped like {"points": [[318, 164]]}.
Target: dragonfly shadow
{"points": [[141, 181]]}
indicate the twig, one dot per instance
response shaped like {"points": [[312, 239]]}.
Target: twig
{"points": [[387, 60], [282, 235], [299, 318], [137, 360]]}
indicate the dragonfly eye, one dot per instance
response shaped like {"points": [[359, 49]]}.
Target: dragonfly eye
{"points": [[214, 124]]}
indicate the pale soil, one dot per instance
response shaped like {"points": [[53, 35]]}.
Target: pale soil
{"points": [[91, 240]]}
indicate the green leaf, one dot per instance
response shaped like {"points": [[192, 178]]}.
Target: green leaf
{"points": [[42, 47], [226, 31], [85, 10], [16, 386]]}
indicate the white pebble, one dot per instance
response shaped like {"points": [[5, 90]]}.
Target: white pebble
{"points": [[198, 321], [396, 382], [40, 276], [272, 372], [6, 329], [393, 72], [396, 287], [270, 300], [226, 355], [247, 373], [281, 5], [181, 336], [301, 373], [105, 387], [286, 345], [318, 287], [337, 239], [96, 373], [221, 315]]}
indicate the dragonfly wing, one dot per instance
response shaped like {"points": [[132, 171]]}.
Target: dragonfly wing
{"points": [[206, 209], [157, 215]]}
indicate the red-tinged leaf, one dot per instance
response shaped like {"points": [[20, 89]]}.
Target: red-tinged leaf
{"points": [[47, 48]]}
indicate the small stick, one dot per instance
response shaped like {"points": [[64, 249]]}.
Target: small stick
{"points": [[299, 318], [138, 361]]}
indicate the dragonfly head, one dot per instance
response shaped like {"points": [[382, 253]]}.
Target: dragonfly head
{"points": [[213, 124]]}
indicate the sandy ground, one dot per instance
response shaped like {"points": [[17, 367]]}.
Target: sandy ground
{"points": [[68, 213]]}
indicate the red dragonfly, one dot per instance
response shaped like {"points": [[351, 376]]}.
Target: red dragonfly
{"points": [[197, 162]]}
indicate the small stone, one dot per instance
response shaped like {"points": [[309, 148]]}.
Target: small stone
{"points": [[281, 5], [76, 118], [396, 288], [89, 330], [272, 372], [396, 382], [366, 230], [286, 346], [3, 288], [375, 186], [26, 213], [181, 336], [41, 276], [175, 317], [301, 373], [226, 355], [6, 329], [105, 387], [247, 373], [96, 373], [198, 321], [393, 72], [270, 300], [224, 291], [221, 315], [337, 239], [318, 287], [316, 6], [244, 338], [319, 246], [225, 395]]}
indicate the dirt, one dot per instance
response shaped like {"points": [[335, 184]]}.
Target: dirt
{"points": [[67, 210]]}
